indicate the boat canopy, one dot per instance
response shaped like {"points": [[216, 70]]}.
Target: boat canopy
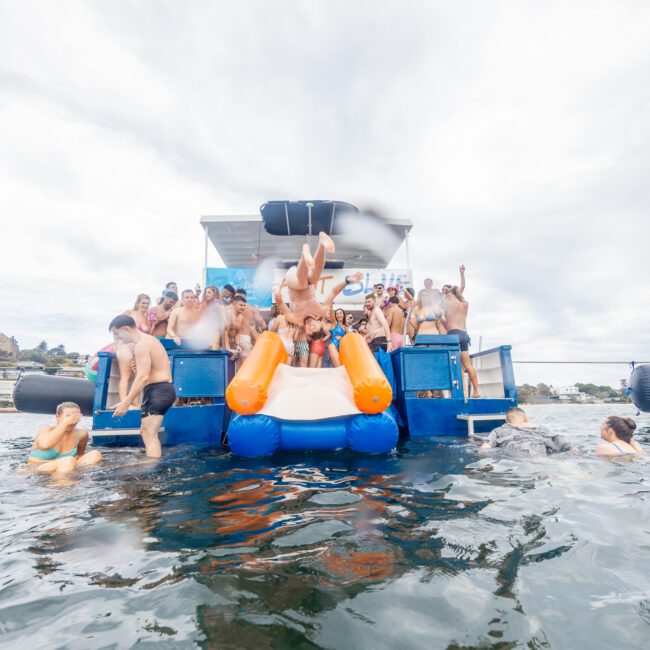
{"points": [[278, 232]]}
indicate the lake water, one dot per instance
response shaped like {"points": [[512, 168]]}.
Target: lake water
{"points": [[434, 546]]}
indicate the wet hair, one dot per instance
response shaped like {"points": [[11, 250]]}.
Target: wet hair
{"points": [[394, 300], [121, 321], [169, 284], [139, 299], [622, 427], [515, 413], [239, 298], [229, 287], [241, 292], [67, 405], [171, 294]]}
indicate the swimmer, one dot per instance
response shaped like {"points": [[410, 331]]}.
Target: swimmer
{"points": [[183, 317], [61, 447], [301, 280], [618, 434], [159, 315], [140, 312], [153, 379], [518, 434]]}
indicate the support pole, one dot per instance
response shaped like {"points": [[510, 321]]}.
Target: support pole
{"points": [[205, 259]]}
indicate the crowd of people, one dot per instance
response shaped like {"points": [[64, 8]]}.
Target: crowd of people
{"points": [[311, 331]]}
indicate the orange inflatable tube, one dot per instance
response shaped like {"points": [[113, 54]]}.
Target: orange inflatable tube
{"points": [[248, 391], [372, 392]]}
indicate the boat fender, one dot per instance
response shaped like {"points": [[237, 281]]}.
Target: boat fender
{"points": [[639, 388], [248, 391], [371, 390], [43, 393], [253, 435], [372, 433]]}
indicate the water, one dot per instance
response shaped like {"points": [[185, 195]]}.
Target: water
{"points": [[435, 546]]}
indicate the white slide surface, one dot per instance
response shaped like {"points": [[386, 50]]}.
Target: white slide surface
{"points": [[309, 394]]}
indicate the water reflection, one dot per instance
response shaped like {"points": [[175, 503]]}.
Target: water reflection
{"points": [[434, 546]]}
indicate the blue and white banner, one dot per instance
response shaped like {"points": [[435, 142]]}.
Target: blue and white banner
{"points": [[259, 284]]}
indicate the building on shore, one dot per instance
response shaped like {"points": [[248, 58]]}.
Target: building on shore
{"points": [[8, 346]]}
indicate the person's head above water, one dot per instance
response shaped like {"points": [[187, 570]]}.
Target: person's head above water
{"points": [[515, 415], [617, 427], [67, 409]]}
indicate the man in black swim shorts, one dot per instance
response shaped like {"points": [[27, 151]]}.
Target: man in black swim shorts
{"points": [[153, 378], [463, 337]]}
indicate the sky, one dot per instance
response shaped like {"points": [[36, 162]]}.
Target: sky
{"points": [[515, 135]]}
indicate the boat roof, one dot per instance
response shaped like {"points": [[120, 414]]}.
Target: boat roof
{"points": [[281, 227]]}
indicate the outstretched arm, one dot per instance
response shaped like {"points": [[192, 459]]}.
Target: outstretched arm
{"points": [[461, 268], [356, 277]]}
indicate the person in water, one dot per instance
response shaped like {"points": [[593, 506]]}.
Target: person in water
{"points": [[301, 281], [140, 312], [61, 447], [520, 435], [618, 434], [153, 378], [159, 315]]}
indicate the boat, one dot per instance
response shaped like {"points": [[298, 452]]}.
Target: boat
{"points": [[267, 406]]}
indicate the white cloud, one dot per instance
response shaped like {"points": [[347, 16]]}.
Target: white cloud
{"points": [[515, 135]]}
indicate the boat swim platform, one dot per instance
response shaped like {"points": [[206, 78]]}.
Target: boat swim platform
{"points": [[282, 227], [426, 384]]}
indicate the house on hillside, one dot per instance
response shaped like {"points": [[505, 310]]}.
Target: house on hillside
{"points": [[8, 346]]}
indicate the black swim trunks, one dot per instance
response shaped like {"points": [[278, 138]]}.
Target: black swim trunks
{"points": [[463, 336], [157, 398], [379, 343]]}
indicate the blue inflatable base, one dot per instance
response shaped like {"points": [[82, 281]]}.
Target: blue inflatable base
{"points": [[261, 435]]}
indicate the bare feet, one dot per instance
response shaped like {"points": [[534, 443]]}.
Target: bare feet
{"points": [[326, 241], [306, 255], [476, 395]]}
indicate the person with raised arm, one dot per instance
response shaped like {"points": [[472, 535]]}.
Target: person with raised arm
{"points": [[378, 330], [456, 309], [153, 378]]}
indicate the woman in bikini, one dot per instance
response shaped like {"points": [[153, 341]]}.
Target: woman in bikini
{"points": [[140, 312], [62, 447], [287, 332], [339, 318], [618, 434]]}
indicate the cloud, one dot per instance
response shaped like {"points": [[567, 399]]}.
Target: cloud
{"points": [[514, 136]]}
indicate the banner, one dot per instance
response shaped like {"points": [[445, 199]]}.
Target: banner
{"points": [[259, 289]]}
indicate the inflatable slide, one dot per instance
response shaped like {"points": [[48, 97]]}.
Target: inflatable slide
{"points": [[279, 407]]}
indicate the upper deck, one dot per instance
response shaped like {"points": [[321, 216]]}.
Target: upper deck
{"points": [[278, 232]]}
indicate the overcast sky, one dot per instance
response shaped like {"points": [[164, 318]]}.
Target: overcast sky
{"points": [[515, 135]]}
